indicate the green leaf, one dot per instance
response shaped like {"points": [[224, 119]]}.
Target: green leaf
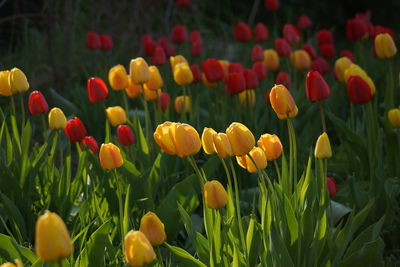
{"points": [[10, 250], [131, 168], [127, 210], [291, 220], [184, 257], [16, 219]]}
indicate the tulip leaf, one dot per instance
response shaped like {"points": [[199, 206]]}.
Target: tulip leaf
{"points": [[184, 257], [15, 133], [131, 168], [10, 250]]}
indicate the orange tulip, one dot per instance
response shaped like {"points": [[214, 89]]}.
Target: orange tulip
{"points": [[272, 146], [110, 157], [282, 102], [240, 138]]}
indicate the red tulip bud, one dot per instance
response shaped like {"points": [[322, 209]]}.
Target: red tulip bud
{"points": [[327, 51], [260, 70], [75, 130], [159, 57], [282, 47], [358, 90], [310, 50], [261, 32], [37, 104], [251, 79], [348, 54], [106, 42], [304, 22], [320, 65], [331, 184], [125, 135], [271, 5], [242, 32], [356, 29], [165, 101], [291, 33], [93, 41], [97, 90], [235, 67], [179, 34], [324, 37], [213, 70], [283, 78], [196, 73], [91, 143], [235, 83], [316, 87]]}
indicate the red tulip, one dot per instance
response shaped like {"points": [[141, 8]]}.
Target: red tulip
{"points": [[145, 38], [242, 32], [125, 135], [282, 47], [97, 90], [213, 70], [378, 30], [331, 184], [159, 57], [356, 29], [283, 78], [195, 36], [349, 54], [320, 65], [91, 143], [93, 41], [235, 83], [324, 37], [75, 130], [235, 67], [196, 48], [179, 34], [251, 79], [358, 90], [291, 33], [106, 42], [364, 16], [196, 73], [257, 53], [37, 104], [261, 32], [183, 2], [168, 49], [310, 50], [304, 22], [260, 69], [271, 5], [316, 87], [327, 51], [149, 47], [165, 101]]}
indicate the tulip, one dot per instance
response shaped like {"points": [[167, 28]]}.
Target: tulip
{"points": [[271, 5], [384, 46], [52, 240], [165, 101], [282, 102], [207, 83], [106, 42], [91, 143], [110, 157], [182, 102], [158, 57], [282, 47], [178, 59], [116, 115], [151, 95], [348, 54], [37, 104], [240, 138], [97, 90], [213, 70], [152, 227], [183, 2], [260, 70], [75, 130], [185, 138], [18, 81], [324, 37], [133, 90], [207, 140], [301, 60], [257, 53], [195, 36], [149, 47], [272, 146], [196, 48], [258, 156], [261, 32], [168, 49], [156, 81], [304, 22], [355, 70], [179, 34], [125, 135], [5, 88], [323, 147], [340, 67], [320, 65], [316, 87], [378, 30], [222, 146], [138, 249], [235, 67], [215, 195], [144, 38], [271, 59], [331, 184], [57, 119], [197, 77], [327, 51], [247, 98], [18, 263], [225, 67], [242, 32], [183, 74], [235, 83], [358, 90], [139, 71], [310, 50], [118, 78], [291, 33], [93, 41], [164, 139], [284, 79], [394, 117], [251, 79], [356, 29]]}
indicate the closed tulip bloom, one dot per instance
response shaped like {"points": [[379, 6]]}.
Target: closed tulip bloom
{"points": [[348, 54], [196, 48], [394, 117], [235, 83], [257, 53], [213, 70], [242, 32], [272, 146], [182, 103], [271, 5], [251, 79], [183, 74], [106, 42], [225, 67], [178, 59], [133, 90], [110, 157], [156, 81], [261, 32], [138, 249], [304, 22], [164, 101], [116, 115], [271, 59], [258, 156], [93, 41], [301, 60], [186, 139], [291, 33], [139, 71], [91, 143], [282, 47], [118, 78], [320, 65], [340, 67], [247, 98], [125, 135], [18, 81], [384, 46], [323, 147], [324, 37], [52, 240], [149, 47], [97, 90], [197, 77], [222, 146], [260, 70], [378, 30], [75, 130], [356, 29], [164, 139], [310, 50], [183, 2], [207, 83], [57, 119], [316, 87], [168, 48], [153, 228], [355, 70], [215, 195], [207, 140], [5, 88], [282, 102], [179, 34], [37, 104], [358, 90], [241, 138], [151, 95], [18, 263], [331, 184], [327, 51], [235, 67], [158, 57], [284, 79], [195, 36]]}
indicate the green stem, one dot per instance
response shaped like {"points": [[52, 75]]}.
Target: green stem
{"points": [[13, 105], [352, 119], [21, 98], [322, 113], [120, 206], [159, 256], [183, 110], [277, 170], [146, 115], [389, 97], [202, 179], [125, 99], [59, 263], [228, 175]]}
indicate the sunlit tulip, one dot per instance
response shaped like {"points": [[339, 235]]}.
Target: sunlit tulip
{"points": [[179, 34], [258, 156], [133, 90], [125, 135], [301, 60], [153, 228], [272, 146], [207, 140], [261, 32], [106, 42], [116, 115], [215, 195], [18, 81], [242, 32], [57, 119], [118, 78], [323, 147], [164, 139], [241, 138], [178, 59], [138, 250], [247, 98], [110, 157], [331, 184], [304, 22], [213, 70], [93, 41], [151, 95], [139, 70], [97, 90], [341, 64], [316, 87], [222, 146], [358, 90], [271, 59], [186, 139], [183, 74], [75, 130], [182, 103], [91, 143], [384, 46], [394, 117], [291, 33], [282, 102], [284, 79], [156, 81], [5, 88], [37, 104]]}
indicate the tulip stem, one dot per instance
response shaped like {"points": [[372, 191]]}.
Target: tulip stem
{"points": [[146, 115], [159, 256], [228, 175], [121, 212], [277, 171], [293, 151], [183, 109], [21, 98], [59, 263], [389, 89], [197, 171], [322, 113], [12, 105]]}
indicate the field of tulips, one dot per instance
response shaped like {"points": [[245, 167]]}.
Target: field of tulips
{"points": [[276, 143]]}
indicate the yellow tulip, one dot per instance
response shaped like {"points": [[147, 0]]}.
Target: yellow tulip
{"points": [[139, 71], [258, 156], [207, 140], [182, 103], [110, 157], [300, 59], [394, 117], [5, 88], [57, 119], [215, 195], [271, 60], [116, 115], [151, 94], [118, 78], [152, 227], [178, 59], [18, 81], [183, 74], [247, 98], [240, 138], [133, 90], [138, 250], [186, 139], [323, 147], [18, 263], [164, 139], [341, 65], [156, 81], [282, 102], [384, 46], [222, 145], [272, 146]]}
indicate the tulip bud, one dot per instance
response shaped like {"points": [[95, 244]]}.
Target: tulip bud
{"points": [[133, 90], [242, 33], [91, 143], [355, 70], [57, 119], [327, 51], [151, 95], [324, 37], [159, 57], [258, 156], [320, 65], [18, 263], [331, 184], [291, 34], [164, 101], [118, 78], [197, 76], [261, 32], [37, 104], [152, 227], [222, 146], [116, 115], [178, 59], [196, 48], [5, 88], [156, 81], [304, 22], [139, 71], [52, 241], [316, 87], [251, 79], [195, 36], [257, 53], [182, 103], [138, 250], [260, 70], [272, 146], [110, 157], [18, 81], [207, 140], [213, 70], [179, 34], [341, 65], [247, 98], [149, 47], [183, 2], [125, 135], [106, 42], [75, 130], [301, 60], [183, 74], [235, 67], [384, 46], [310, 50], [358, 90], [168, 49], [271, 59], [356, 29], [93, 41], [185, 138], [348, 54], [282, 47], [225, 67], [271, 5], [236, 83], [282, 102], [284, 79], [97, 90], [394, 117], [164, 139], [241, 138], [215, 195], [323, 147]]}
